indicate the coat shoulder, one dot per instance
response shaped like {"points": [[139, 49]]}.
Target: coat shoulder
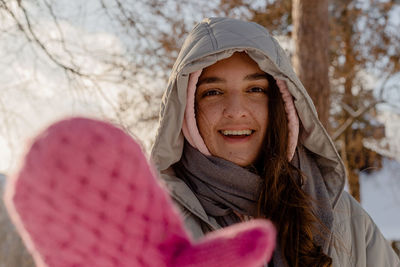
{"points": [[12, 250], [356, 237]]}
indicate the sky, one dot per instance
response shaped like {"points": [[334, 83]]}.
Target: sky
{"points": [[35, 93]]}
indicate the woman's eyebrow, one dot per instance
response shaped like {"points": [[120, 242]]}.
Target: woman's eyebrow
{"points": [[250, 77], [210, 80], [256, 76]]}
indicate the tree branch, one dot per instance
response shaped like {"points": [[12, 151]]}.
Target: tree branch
{"points": [[354, 115], [30, 34]]}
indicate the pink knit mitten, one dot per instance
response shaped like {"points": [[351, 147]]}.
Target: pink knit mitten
{"points": [[85, 196]]}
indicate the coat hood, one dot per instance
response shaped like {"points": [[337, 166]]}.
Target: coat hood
{"points": [[217, 38]]}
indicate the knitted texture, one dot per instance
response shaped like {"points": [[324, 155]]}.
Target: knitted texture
{"points": [[86, 196]]}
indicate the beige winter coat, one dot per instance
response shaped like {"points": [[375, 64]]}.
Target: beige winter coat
{"points": [[358, 241], [12, 251]]}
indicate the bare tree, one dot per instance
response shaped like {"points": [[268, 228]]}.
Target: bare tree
{"points": [[311, 55], [363, 40], [115, 52]]}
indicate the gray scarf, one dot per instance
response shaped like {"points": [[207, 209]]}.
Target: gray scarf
{"points": [[224, 188]]}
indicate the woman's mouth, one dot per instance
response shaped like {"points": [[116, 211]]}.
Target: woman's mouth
{"points": [[236, 132], [236, 135]]}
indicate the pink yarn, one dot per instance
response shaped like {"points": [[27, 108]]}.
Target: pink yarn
{"points": [[86, 196], [192, 134]]}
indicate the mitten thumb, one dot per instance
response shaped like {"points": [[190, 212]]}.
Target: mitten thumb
{"points": [[246, 244]]}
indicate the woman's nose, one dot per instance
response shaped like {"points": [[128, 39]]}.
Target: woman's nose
{"points": [[235, 107]]}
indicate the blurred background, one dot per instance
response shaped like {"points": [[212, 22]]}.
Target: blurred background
{"points": [[110, 59]]}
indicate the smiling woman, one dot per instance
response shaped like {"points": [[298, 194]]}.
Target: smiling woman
{"points": [[229, 149]]}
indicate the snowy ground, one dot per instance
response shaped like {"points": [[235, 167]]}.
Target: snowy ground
{"points": [[380, 196]]}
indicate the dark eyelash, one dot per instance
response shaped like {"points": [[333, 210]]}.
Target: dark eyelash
{"points": [[210, 93], [263, 90]]}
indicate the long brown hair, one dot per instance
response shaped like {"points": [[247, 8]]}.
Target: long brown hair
{"points": [[282, 200]]}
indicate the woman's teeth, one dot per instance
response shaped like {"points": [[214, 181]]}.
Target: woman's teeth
{"points": [[241, 132]]}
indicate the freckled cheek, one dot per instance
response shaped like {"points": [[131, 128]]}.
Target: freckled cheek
{"points": [[205, 121], [265, 118], [260, 113], [208, 115]]}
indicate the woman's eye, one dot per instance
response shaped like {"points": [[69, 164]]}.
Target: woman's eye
{"points": [[257, 90], [211, 93]]}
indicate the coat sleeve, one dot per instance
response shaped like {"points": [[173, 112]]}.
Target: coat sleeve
{"points": [[368, 246], [378, 250], [12, 250]]}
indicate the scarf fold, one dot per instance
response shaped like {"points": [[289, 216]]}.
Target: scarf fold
{"points": [[222, 187]]}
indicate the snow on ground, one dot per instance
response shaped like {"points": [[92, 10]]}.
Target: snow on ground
{"points": [[380, 197]]}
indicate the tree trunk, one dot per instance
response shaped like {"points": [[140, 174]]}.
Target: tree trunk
{"points": [[354, 184], [311, 57], [353, 178], [353, 139]]}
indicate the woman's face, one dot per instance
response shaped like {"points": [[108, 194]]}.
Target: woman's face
{"points": [[232, 108]]}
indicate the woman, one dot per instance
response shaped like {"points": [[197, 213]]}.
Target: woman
{"points": [[229, 149]]}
